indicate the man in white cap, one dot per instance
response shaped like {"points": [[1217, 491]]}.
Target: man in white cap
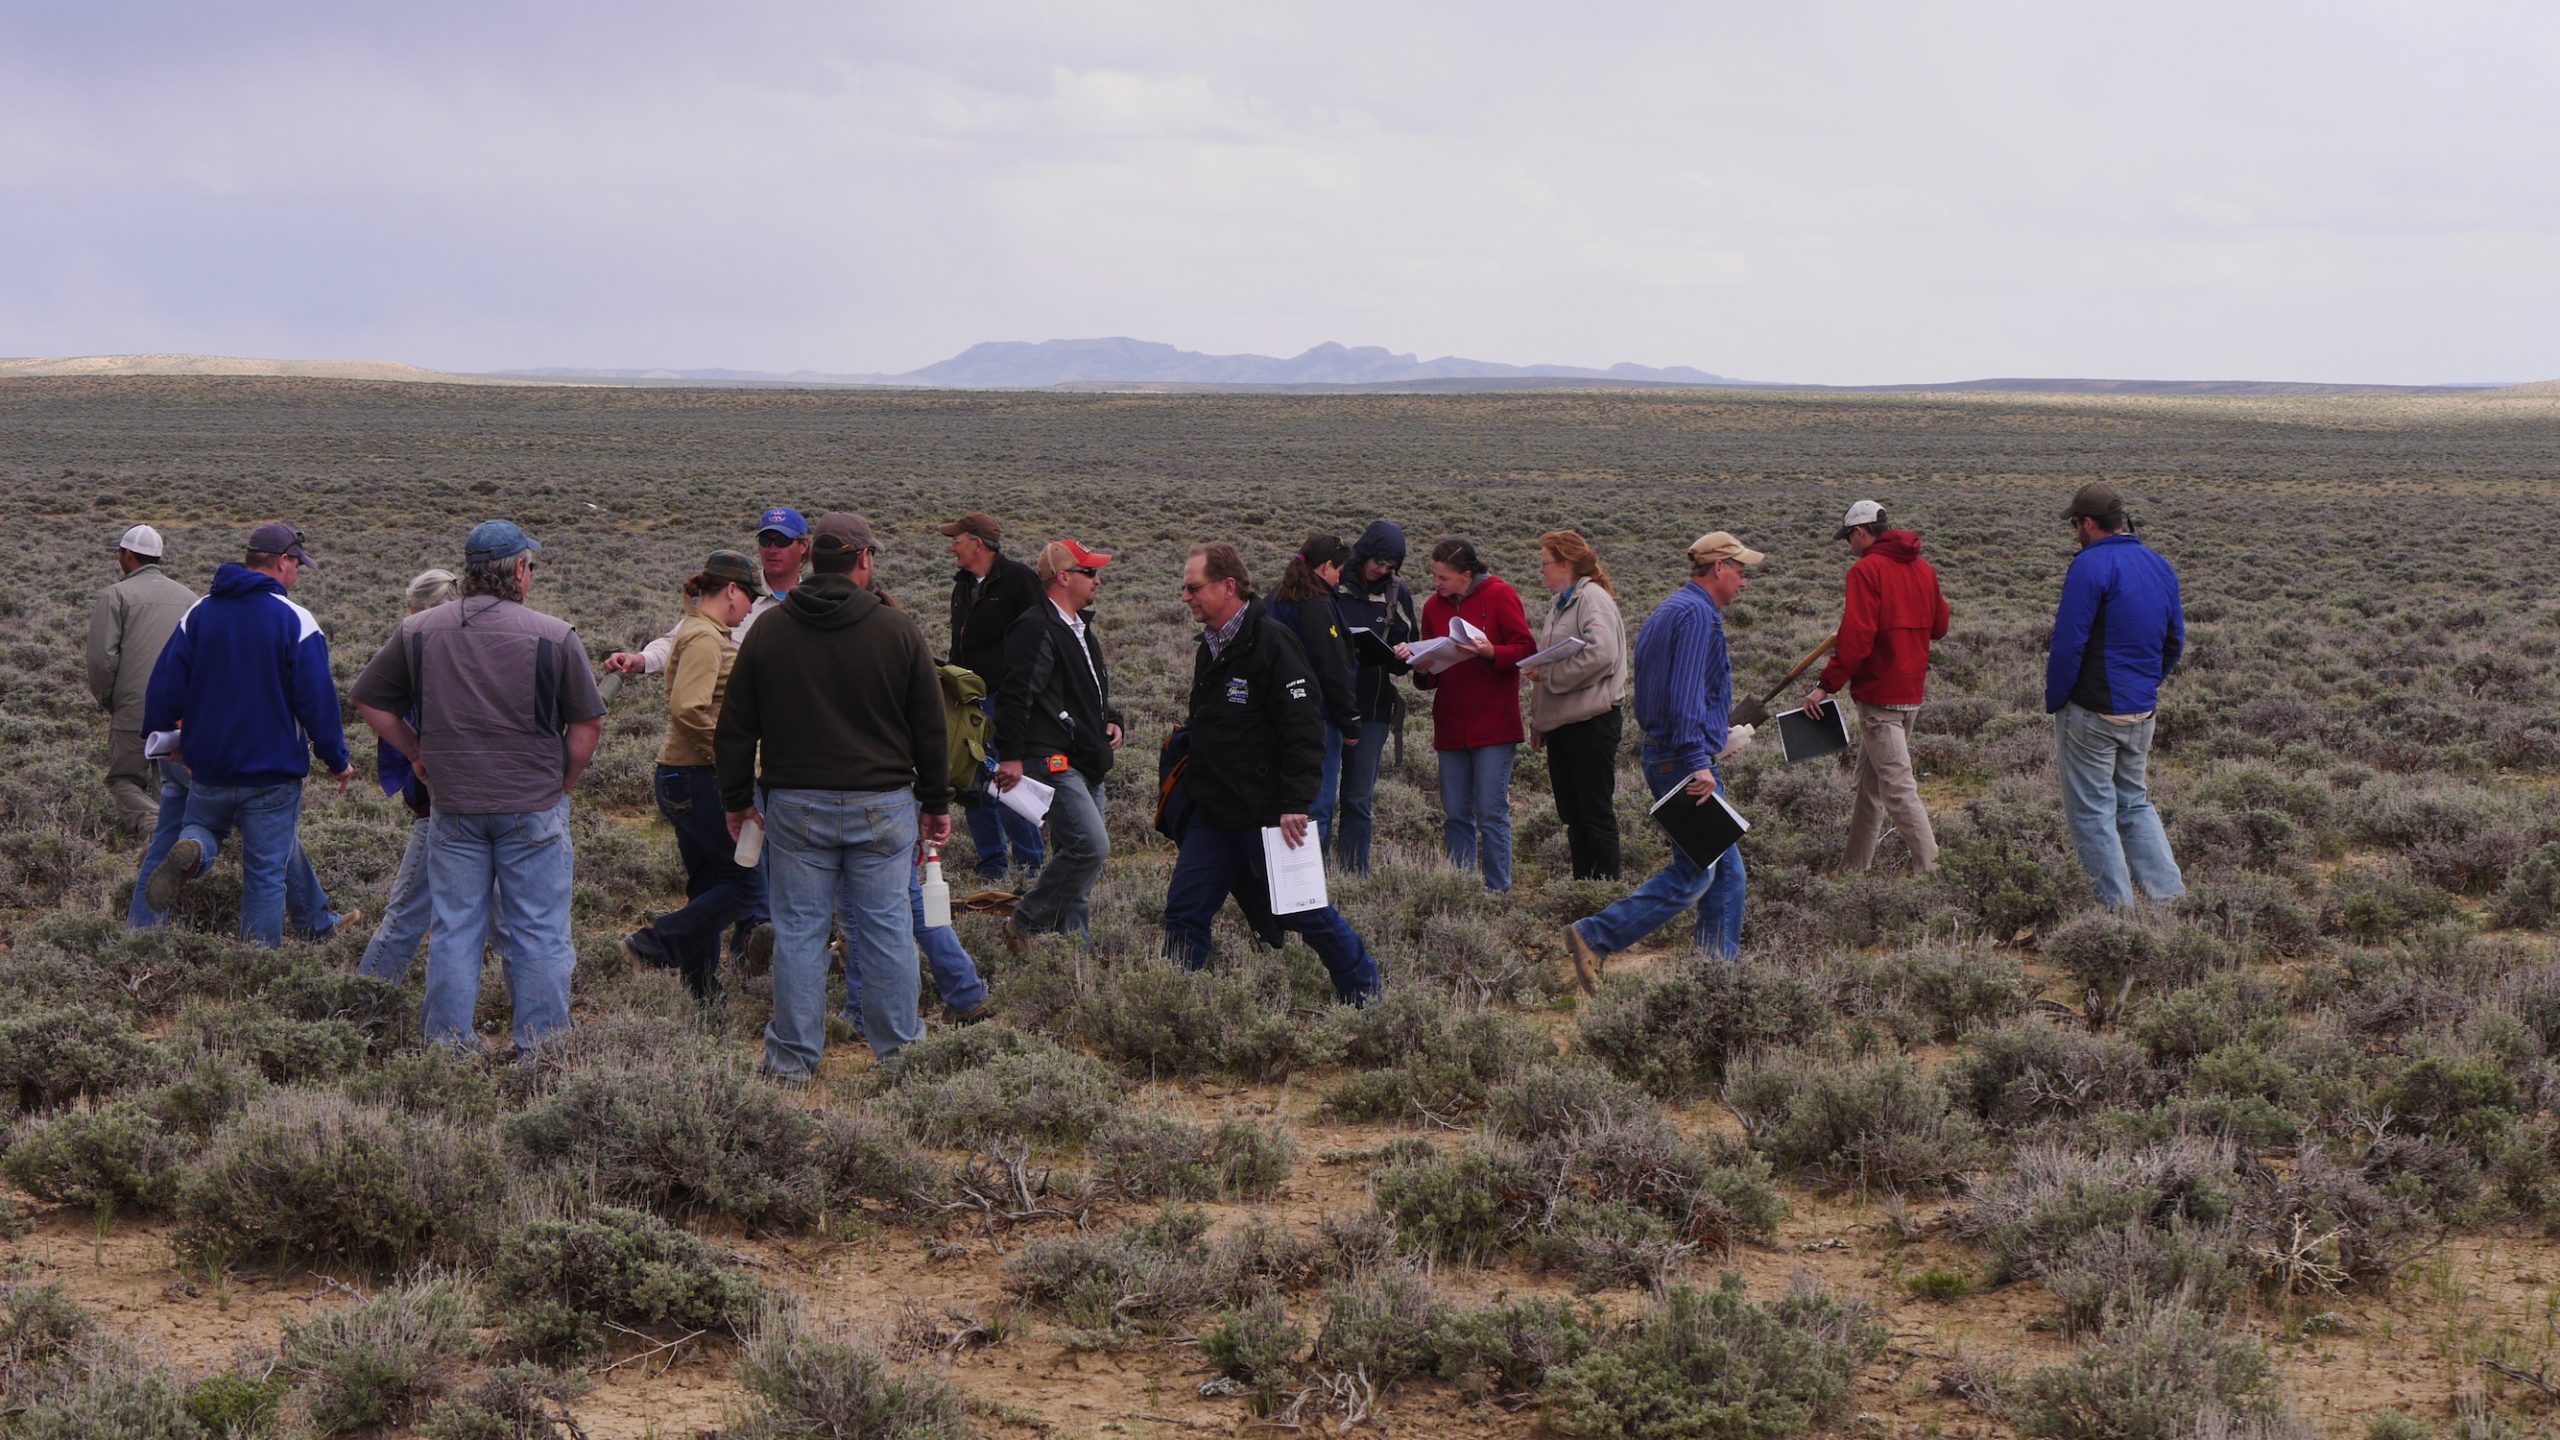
{"points": [[1893, 611], [128, 628]]}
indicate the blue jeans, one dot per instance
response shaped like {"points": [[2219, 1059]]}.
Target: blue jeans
{"points": [[266, 817], [719, 891], [1357, 818], [467, 857], [955, 975], [1062, 898], [1716, 890], [847, 853], [2106, 797], [407, 914], [993, 829], [1328, 785], [306, 905], [1213, 862], [1475, 790]]}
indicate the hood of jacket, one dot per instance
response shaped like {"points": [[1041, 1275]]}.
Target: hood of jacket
{"points": [[829, 602], [1383, 540], [1897, 545], [233, 580]]}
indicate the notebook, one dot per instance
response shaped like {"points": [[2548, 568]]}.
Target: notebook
{"points": [[1811, 739], [1702, 829]]}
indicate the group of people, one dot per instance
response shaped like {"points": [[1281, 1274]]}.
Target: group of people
{"points": [[828, 733]]}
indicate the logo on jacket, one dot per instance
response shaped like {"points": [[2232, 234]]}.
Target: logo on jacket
{"points": [[1297, 689], [1238, 692]]}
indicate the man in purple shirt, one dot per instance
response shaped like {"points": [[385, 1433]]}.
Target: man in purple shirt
{"points": [[1684, 698]]}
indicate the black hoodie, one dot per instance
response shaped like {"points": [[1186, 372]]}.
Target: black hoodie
{"points": [[839, 693]]}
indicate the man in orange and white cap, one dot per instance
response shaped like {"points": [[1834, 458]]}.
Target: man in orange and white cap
{"points": [[1055, 721]]}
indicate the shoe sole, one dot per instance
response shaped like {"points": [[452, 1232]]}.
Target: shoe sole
{"points": [[176, 869], [1587, 962]]}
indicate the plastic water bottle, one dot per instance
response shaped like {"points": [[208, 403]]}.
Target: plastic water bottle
{"points": [[750, 844], [937, 891], [609, 686]]}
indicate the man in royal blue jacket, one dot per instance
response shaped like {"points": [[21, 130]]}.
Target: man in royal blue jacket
{"points": [[247, 677], [2118, 631]]}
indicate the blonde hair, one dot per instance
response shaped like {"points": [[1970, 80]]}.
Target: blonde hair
{"points": [[431, 588], [1578, 556], [1054, 560]]}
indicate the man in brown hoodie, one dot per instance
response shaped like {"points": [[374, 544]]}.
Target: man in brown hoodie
{"points": [[834, 714]]}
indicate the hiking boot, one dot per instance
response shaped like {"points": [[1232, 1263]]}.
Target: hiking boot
{"points": [[758, 957], [983, 1010], [1016, 940], [346, 926], [176, 869], [1587, 962], [639, 949]]}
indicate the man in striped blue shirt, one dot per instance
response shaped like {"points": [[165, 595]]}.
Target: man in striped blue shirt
{"points": [[1684, 700]]}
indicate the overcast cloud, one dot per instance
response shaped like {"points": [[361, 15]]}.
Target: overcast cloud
{"points": [[1835, 193]]}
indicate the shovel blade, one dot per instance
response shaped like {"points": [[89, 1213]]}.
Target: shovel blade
{"points": [[1750, 710]]}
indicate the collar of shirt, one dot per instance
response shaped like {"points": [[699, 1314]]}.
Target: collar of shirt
{"points": [[1219, 639], [1074, 621]]}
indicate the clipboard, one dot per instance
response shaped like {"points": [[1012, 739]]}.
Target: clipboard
{"points": [[1372, 650], [1702, 830], [1800, 738]]}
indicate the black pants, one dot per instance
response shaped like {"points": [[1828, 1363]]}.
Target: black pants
{"points": [[1582, 766]]}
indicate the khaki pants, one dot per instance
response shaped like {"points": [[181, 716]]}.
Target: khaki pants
{"points": [[1888, 787], [131, 785]]}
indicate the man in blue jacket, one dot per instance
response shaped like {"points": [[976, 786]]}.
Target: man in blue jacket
{"points": [[1684, 706], [247, 677], [2118, 631]]}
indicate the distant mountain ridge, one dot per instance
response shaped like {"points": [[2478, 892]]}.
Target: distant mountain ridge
{"points": [[1023, 364]]}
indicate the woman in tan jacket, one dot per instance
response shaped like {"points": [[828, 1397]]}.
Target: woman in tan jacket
{"points": [[718, 890], [1576, 700]]}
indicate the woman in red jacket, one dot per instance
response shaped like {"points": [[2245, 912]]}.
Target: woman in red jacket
{"points": [[1475, 713]]}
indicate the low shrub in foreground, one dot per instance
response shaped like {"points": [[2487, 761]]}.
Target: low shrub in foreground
{"points": [[1715, 1365], [316, 1175], [1673, 1032], [1156, 1273], [1163, 1156], [2157, 1374], [383, 1361], [801, 1384], [113, 1158], [557, 1285], [1872, 1124], [956, 1087]]}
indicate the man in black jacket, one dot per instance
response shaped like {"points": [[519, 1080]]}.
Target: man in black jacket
{"points": [[1257, 748], [1057, 724], [831, 736], [988, 593]]}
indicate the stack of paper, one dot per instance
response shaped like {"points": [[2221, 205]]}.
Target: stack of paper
{"points": [[1297, 876], [1028, 798]]}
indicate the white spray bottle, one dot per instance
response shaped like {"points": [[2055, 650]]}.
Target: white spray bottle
{"points": [[937, 891]]}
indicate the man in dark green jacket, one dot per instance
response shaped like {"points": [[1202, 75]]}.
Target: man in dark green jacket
{"points": [[831, 737], [1257, 748]]}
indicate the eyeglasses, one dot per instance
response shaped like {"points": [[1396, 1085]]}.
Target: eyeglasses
{"points": [[1194, 588]]}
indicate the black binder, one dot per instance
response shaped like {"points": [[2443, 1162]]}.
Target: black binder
{"points": [[1803, 739], [1702, 829], [1374, 651]]}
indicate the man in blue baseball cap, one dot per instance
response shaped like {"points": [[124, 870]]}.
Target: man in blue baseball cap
{"points": [[507, 718], [782, 549]]}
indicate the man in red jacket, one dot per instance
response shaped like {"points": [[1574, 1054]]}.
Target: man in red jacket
{"points": [[1881, 656]]}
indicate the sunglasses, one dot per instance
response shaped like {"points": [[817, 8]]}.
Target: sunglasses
{"points": [[1089, 572], [775, 540]]}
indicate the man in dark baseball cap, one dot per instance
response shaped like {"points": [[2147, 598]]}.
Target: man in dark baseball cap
{"points": [[276, 538], [841, 536], [977, 524], [2097, 501], [491, 541]]}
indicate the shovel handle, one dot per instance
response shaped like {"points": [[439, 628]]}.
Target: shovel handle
{"points": [[1801, 666]]}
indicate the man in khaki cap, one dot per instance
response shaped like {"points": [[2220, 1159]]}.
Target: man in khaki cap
{"points": [[1683, 704], [129, 625], [989, 592]]}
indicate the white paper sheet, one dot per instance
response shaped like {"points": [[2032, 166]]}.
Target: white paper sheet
{"points": [[1434, 655], [1028, 798], [1568, 646], [1297, 876], [158, 744]]}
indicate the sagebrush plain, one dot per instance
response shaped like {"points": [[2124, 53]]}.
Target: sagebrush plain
{"points": [[1942, 1156]]}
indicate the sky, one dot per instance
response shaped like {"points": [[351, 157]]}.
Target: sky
{"points": [[1831, 193]]}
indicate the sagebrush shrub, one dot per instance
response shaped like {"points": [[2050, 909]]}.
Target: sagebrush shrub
{"points": [[1511, 1344], [1873, 1124], [1153, 1014], [1714, 1365], [317, 1175], [802, 1383], [383, 1361], [1673, 1032], [523, 1401], [114, 1157], [2153, 1374], [556, 1285], [1018, 1085], [1258, 1346], [1447, 1071], [1466, 1205], [2529, 897], [2033, 1070], [1378, 1326], [52, 1057], [2053, 1195], [1156, 1273]]}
